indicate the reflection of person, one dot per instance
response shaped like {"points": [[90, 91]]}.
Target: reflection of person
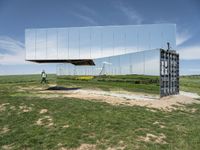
{"points": [[44, 77]]}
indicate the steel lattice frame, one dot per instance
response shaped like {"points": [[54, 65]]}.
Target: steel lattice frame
{"points": [[169, 72]]}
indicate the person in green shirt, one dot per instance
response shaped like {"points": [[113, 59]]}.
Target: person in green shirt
{"points": [[44, 77]]}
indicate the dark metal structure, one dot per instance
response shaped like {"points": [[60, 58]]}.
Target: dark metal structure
{"points": [[79, 62], [169, 72]]}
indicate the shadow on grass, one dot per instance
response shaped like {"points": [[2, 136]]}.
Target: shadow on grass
{"points": [[61, 88]]}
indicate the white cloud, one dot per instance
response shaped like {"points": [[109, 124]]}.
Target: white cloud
{"points": [[87, 9], [190, 52], [130, 13], [182, 37], [86, 18], [18, 58], [17, 55], [10, 44], [86, 14], [160, 21]]}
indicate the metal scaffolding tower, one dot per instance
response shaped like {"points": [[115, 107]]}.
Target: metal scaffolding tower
{"points": [[169, 72]]}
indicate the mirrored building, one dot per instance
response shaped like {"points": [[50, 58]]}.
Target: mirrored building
{"points": [[81, 43], [99, 50], [144, 63]]}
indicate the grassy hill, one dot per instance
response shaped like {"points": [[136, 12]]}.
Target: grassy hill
{"points": [[30, 122]]}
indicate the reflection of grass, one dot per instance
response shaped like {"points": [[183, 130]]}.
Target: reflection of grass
{"points": [[84, 77], [190, 84], [89, 122], [25, 79], [148, 84]]}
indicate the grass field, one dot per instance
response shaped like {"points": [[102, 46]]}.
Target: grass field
{"points": [[190, 83], [29, 122]]}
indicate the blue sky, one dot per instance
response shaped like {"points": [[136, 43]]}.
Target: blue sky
{"points": [[17, 15]]}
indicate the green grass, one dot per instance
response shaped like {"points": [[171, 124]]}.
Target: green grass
{"points": [[190, 84], [88, 122]]}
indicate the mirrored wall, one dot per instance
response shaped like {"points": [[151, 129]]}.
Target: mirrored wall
{"points": [[142, 63], [96, 41]]}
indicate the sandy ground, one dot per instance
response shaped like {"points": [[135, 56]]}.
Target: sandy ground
{"points": [[127, 98]]}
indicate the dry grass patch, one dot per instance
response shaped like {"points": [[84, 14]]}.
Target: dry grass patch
{"points": [[189, 110], [66, 126], [4, 130], [42, 111], [7, 147], [81, 147], [25, 108], [160, 139], [3, 106], [120, 146], [116, 148], [46, 121], [86, 147]]}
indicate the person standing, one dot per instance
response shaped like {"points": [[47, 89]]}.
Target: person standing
{"points": [[44, 77]]}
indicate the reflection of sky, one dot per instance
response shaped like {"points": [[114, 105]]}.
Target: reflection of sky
{"points": [[189, 67], [96, 42], [30, 68]]}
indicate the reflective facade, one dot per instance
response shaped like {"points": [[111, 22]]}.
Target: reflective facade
{"points": [[110, 50], [144, 62], [96, 41]]}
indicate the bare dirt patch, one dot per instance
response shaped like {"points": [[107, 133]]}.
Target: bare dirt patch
{"points": [[25, 108], [66, 126], [45, 121], [160, 139], [3, 106], [168, 103], [4, 130], [120, 146], [189, 94], [86, 146], [42, 111], [7, 147], [116, 148]]}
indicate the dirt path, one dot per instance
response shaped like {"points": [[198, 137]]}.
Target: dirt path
{"points": [[127, 98]]}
